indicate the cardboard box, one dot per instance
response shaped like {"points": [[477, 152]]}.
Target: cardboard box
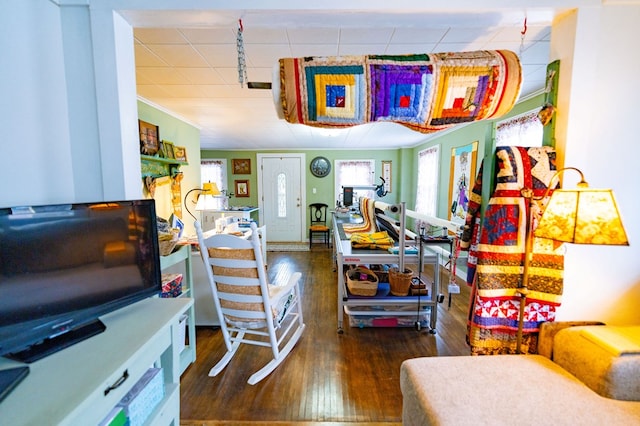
{"points": [[171, 285]]}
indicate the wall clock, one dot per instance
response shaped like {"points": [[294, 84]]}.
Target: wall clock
{"points": [[320, 167]]}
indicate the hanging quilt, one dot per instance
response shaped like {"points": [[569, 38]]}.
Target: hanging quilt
{"points": [[424, 92], [497, 255]]}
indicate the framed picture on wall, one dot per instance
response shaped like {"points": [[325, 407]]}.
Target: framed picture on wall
{"points": [[461, 180], [241, 166], [149, 138], [167, 150], [180, 153], [242, 188], [386, 175]]}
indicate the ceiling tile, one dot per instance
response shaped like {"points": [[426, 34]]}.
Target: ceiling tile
{"points": [[417, 35], [163, 75], [178, 55], [365, 35], [209, 35], [201, 75], [406, 48], [362, 49], [159, 36], [265, 55], [146, 58], [300, 50], [219, 55], [314, 35], [265, 35]]}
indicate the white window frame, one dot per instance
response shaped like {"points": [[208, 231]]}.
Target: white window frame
{"points": [[520, 130], [428, 181], [221, 181], [357, 193]]}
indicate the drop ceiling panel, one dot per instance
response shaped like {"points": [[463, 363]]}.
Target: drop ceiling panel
{"points": [[187, 62]]}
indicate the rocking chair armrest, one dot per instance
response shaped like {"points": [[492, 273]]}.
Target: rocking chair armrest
{"points": [[285, 289]]}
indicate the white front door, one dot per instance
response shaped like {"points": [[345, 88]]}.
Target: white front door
{"points": [[281, 196]]}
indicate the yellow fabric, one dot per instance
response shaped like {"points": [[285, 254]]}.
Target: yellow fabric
{"points": [[615, 340], [375, 240]]}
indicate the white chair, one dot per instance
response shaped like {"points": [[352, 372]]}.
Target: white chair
{"points": [[250, 309]]}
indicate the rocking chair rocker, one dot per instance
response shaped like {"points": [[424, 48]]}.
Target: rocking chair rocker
{"points": [[250, 310]]}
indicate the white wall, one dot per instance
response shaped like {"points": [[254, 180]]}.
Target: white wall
{"points": [[596, 131], [37, 164]]}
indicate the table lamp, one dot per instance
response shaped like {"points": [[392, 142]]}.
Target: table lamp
{"points": [[206, 199], [580, 216]]}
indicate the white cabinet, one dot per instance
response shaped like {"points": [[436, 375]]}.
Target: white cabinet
{"points": [[209, 217], [206, 314], [180, 262], [71, 387]]}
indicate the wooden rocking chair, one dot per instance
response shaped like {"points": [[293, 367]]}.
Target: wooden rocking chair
{"points": [[250, 309]]}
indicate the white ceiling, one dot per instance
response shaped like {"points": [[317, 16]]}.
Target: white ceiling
{"points": [[187, 64]]}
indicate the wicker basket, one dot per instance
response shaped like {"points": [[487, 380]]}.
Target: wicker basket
{"points": [[381, 272], [362, 282], [167, 242], [399, 283]]}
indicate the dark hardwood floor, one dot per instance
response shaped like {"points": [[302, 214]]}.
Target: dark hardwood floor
{"points": [[352, 377]]}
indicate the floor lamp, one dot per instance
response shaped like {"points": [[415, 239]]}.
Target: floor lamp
{"points": [[579, 216]]}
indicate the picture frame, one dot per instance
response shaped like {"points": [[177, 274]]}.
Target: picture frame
{"points": [[149, 138], [241, 166], [241, 188], [180, 153], [386, 175], [167, 149], [461, 180]]}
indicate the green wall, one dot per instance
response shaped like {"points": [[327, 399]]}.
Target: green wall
{"points": [[404, 162], [324, 186], [181, 134]]}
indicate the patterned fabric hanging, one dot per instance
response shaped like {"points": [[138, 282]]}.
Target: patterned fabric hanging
{"points": [[424, 92], [497, 255]]}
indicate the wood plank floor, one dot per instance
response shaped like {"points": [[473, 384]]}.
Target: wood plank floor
{"points": [[328, 378]]}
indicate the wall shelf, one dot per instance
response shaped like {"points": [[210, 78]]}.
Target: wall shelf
{"points": [[159, 167]]}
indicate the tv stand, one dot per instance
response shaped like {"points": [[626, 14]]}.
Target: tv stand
{"points": [[54, 344], [68, 387]]}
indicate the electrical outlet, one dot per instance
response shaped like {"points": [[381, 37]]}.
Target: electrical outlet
{"points": [[454, 289]]}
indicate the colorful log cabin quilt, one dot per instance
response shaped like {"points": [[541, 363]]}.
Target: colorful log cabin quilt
{"points": [[496, 254], [424, 92]]}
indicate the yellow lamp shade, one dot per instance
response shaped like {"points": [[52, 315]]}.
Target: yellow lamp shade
{"points": [[210, 188], [582, 216], [208, 199]]}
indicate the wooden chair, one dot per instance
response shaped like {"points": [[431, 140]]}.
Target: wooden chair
{"points": [[318, 223], [250, 310]]}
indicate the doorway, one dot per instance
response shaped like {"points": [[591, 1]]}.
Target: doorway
{"points": [[281, 197]]}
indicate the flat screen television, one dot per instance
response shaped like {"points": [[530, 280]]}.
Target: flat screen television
{"points": [[64, 266]]}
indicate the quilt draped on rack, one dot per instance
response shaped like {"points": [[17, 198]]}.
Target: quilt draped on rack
{"points": [[496, 255], [426, 93], [368, 225]]}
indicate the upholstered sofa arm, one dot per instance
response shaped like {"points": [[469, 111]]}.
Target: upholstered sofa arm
{"points": [[548, 331]]}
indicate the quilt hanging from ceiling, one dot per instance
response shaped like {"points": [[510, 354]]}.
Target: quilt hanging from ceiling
{"points": [[425, 92]]}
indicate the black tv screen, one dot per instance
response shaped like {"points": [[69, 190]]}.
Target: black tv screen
{"points": [[63, 266]]}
